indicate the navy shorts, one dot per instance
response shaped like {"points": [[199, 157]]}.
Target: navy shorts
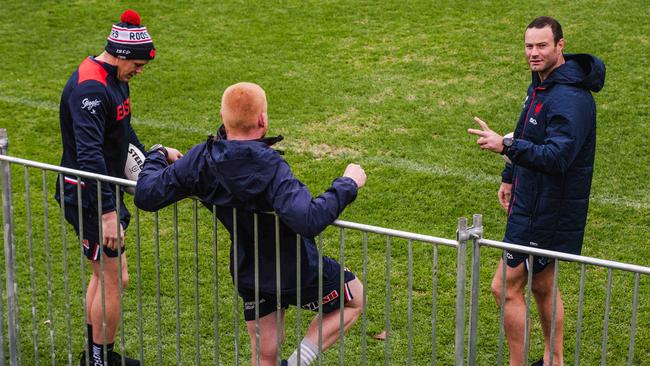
{"points": [[308, 294], [90, 240]]}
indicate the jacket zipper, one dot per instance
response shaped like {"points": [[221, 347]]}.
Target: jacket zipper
{"points": [[532, 102]]}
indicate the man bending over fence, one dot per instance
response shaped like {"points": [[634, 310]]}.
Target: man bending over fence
{"points": [[241, 175]]}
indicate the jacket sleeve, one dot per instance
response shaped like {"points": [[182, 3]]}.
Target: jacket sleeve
{"points": [[134, 140], [89, 107], [304, 214], [160, 185], [566, 132], [506, 174]]}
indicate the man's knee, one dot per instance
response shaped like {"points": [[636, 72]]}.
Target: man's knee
{"points": [[497, 288], [355, 306]]}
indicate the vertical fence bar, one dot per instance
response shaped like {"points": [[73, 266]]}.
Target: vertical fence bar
{"points": [[635, 304], [342, 298], [9, 242], [64, 239], [30, 241], [434, 304], [410, 304], [158, 307], [298, 300], [320, 299], [278, 290], [215, 268], [365, 298], [461, 276], [196, 284], [139, 274], [504, 263], [474, 289], [387, 306], [529, 286], [5, 169], [101, 268], [236, 281], [82, 265], [576, 357], [177, 290], [120, 285], [556, 274], [48, 268], [603, 357], [256, 259]]}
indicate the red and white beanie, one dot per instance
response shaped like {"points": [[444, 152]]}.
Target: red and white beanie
{"points": [[129, 39]]}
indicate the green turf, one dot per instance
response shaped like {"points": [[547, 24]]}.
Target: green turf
{"points": [[392, 86]]}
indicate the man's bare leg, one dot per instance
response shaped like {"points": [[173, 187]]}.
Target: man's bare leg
{"points": [[268, 338], [514, 312], [543, 292], [332, 321], [111, 296]]}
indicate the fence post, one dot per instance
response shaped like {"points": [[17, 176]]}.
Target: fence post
{"points": [[476, 233], [7, 220], [462, 235]]}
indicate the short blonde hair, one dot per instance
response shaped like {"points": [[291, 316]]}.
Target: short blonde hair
{"points": [[241, 106]]}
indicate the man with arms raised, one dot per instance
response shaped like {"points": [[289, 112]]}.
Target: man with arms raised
{"points": [[95, 119], [545, 190], [240, 171]]}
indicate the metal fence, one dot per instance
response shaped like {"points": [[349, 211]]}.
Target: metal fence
{"points": [[184, 312]]}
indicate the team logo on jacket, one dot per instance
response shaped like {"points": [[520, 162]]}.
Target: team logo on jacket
{"points": [[90, 105], [123, 109]]}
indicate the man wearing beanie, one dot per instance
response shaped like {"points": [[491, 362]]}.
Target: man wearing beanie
{"points": [[95, 119]]}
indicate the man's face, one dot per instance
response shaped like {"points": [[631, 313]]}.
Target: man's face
{"points": [[542, 53], [126, 69]]}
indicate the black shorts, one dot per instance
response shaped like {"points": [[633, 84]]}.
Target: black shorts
{"points": [[91, 224], [308, 294], [516, 258]]}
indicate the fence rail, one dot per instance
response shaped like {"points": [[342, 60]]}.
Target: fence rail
{"points": [[194, 276]]}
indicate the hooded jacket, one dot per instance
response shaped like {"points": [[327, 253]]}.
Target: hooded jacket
{"points": [[553, 157], [250, 177], [95, 120]]}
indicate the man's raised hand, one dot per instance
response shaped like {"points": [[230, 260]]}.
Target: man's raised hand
{"points": [[488, 139]]}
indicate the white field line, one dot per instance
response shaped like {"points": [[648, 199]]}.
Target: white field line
{"points": [[436, 170]]}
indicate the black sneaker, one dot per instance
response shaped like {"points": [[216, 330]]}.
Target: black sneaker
{"points": [[115, 359], [539, 362]]}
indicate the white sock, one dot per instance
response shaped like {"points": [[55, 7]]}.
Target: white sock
{"points": [[308, 353]]}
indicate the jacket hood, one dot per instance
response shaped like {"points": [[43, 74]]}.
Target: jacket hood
{"points": [[582, 70], [245, 167]]}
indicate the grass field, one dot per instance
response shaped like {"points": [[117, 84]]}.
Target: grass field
{"points": [[392, 86]]}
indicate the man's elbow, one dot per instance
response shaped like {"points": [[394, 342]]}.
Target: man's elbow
{"points": [[141, 201], [142, 198]]}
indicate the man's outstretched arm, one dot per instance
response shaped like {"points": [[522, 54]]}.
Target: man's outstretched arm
{"points": [[307, 215], [160, 184]]}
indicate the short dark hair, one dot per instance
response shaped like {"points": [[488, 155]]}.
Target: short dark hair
{"points": [[544, 21]]}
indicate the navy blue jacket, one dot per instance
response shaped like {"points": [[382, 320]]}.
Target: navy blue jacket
{"points": [[251, 177], [95, 119], [553, 157]]}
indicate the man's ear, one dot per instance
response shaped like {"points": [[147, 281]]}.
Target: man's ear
{"points": [[263, 120], [560, 45]]}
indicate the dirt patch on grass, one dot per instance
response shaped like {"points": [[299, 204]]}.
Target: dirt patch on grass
{"points": [[319, 151]]}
